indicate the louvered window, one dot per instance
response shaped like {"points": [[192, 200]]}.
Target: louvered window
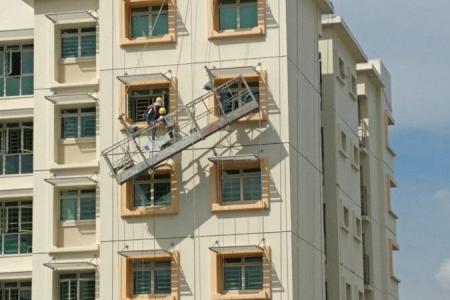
{"points": [[16, 221], [242, 273], [149, 21], [78, 122], [13, 290], [78, 42], [16, 148], [77, 205], [152, 190], [151, 277], [77, 286], [241, 184], [238, 14]]}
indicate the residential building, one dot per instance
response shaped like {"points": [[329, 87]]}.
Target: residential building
{"points": [[232, 205], [358, 169]]}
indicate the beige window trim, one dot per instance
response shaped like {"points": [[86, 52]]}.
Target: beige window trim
{"points": [[261, 115], [127, 5], [393, 246], [127, 276], [126, 89], [218, 206], [390, 184], [389, 121], [216, 278], [214, 32], [126, 192]]}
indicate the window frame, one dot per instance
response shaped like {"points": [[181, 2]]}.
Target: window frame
{"points": [[388, 121], [218, 205], [128, 5], [217, 265], [356, 157], [22, 48], [393, 246], [79, 115], [77, 280], [4, 223], [214, 27], [126, 191], [390, 184], [78, 198], [21, 286], [346, 218], [165, 95], [152, 182], [260, 115], [150, 13], [171, 98], [353, 85], [127, 278], [23, 152], [79, 34], [343, 143], [238, 6]]}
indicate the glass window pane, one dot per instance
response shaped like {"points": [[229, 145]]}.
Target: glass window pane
{"points": [[12, 86], [11, 242], [139, 26], [161, 26], [252, 186], [254, 277], [69, 47], [141, 194], [88, 45], [142, 277], [26, 219], [2, 62], [232, 278], [27, 62], [27, 163], [162, 282], [88, 126], [249, 16], [87, 289], [25, 243], [27, 85], [68, 209], [25, 295], [69, 127], [2, 86], [12, 164], [87, 208], [1, 163], [231, 189], [14, 63], [67, 290], [162, 190], [228, 18]]}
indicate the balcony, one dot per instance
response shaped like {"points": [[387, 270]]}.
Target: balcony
{"points": [[363, 134], [364, 203]]}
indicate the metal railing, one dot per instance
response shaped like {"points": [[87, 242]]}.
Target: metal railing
{"points": [[179, 129], [363, 133]]}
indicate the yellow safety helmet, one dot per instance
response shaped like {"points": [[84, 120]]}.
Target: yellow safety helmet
{"points": [[159, 101], [162, 111]]}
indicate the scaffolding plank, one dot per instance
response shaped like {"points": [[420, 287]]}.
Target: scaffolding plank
{"points": [[141, 78], [72, 17], [187, 141], [76, 98]]}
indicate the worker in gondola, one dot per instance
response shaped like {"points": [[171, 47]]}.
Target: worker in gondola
{"points": [[152, 115]]}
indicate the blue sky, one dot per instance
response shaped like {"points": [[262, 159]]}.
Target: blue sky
{"points": [[413, 39]]}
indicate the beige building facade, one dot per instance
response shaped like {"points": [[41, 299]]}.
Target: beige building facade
{"points": [[244, 213]]}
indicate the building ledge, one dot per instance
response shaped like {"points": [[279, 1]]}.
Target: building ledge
{"points": [[90, 165], [57, 250]]}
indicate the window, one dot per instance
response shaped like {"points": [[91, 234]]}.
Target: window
{"points": [[348, 292], [389, 121], [78, 42], [358, 228], [78, 122], [237, 18], [353, 86], [356, 157], [16, 148], [243, 273], [237, 14], [341, 69], [390, 184], [392, 248], [258, 87], [77, 286], [145, 22], [16, 70], [149, 21], [151, 276], [151, 194], [77, 204], [238, 271], [140, 98], [16, 227], [240, 186], [346, 218], [152, 190], [15, 290], [343, 143]]}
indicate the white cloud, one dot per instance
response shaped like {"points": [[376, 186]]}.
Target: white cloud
{"points": [[443, 275]]}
